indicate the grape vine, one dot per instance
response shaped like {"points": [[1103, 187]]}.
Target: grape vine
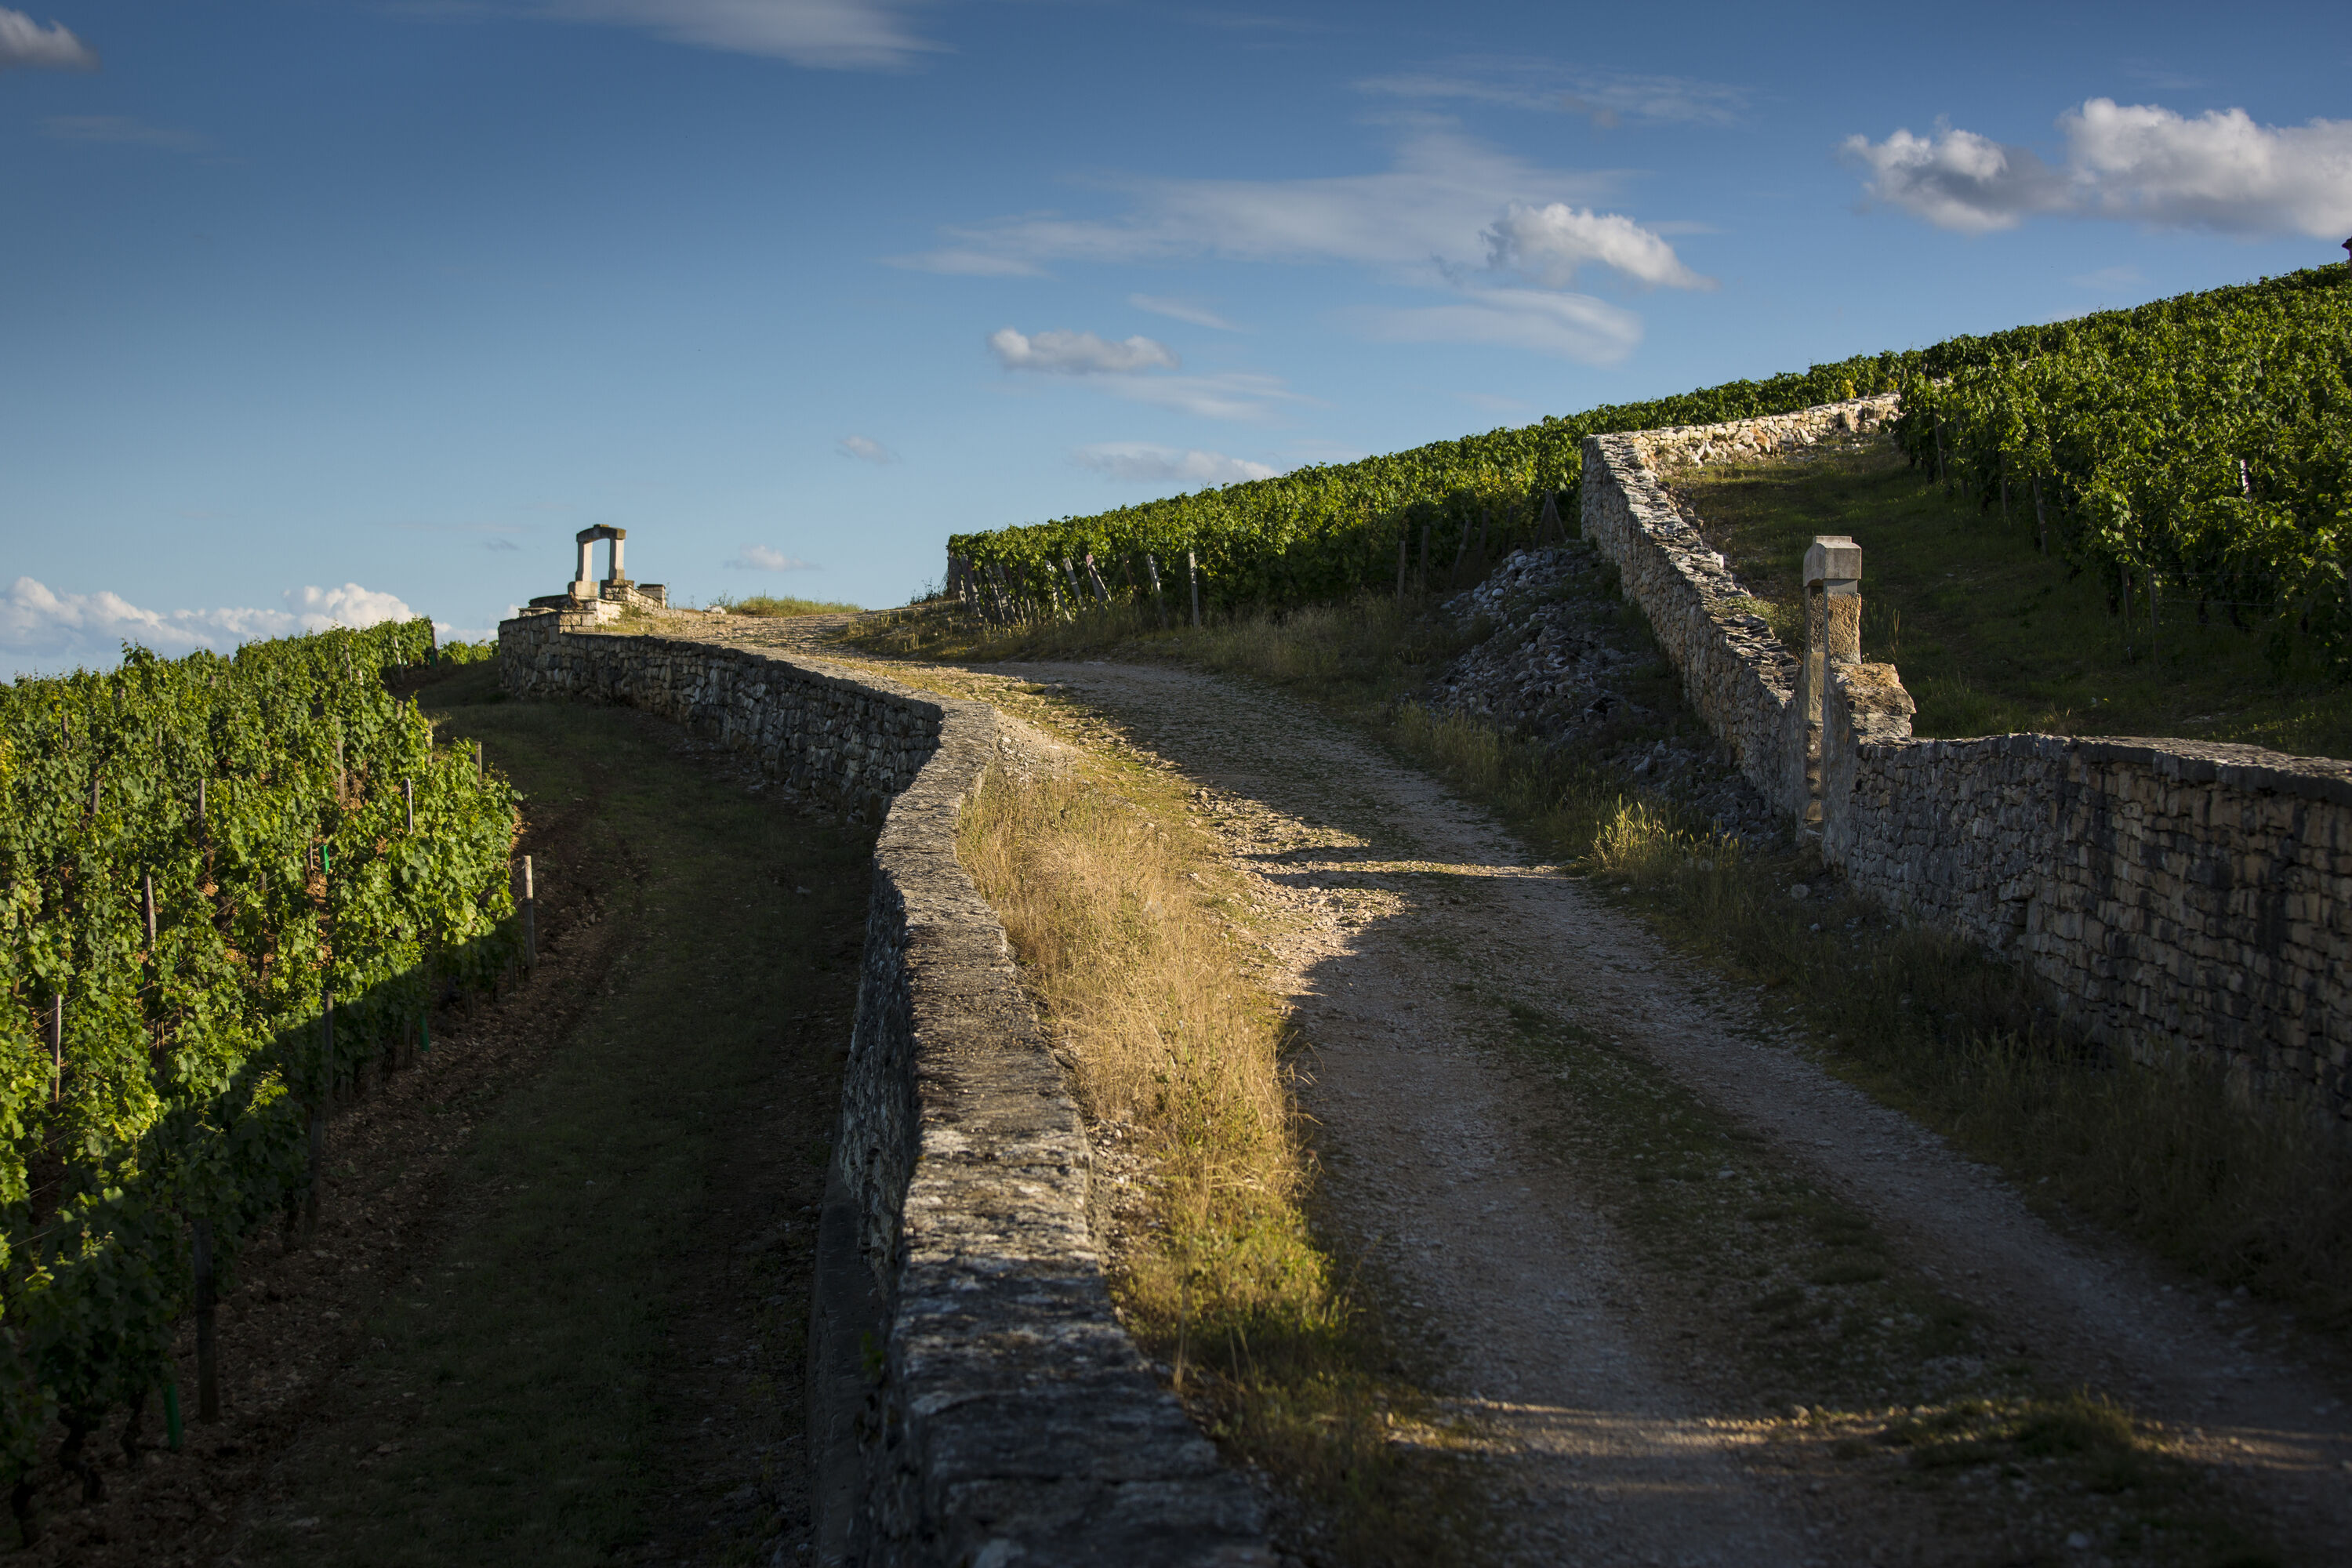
{"points": [[2199, 444], [199, 859]]}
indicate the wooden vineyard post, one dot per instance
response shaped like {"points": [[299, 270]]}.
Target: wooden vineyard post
{"points": [[1193, 571], [1399, 593], [477, 762], [149, 879], [207, 1353], [58, 1045], [1159, 605], [322, 1089], [408, 801], [529, 919]]}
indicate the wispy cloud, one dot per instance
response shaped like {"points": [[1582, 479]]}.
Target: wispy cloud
{"points": [[1433, 204], [1185, 310], [1140, 462], [1501, 237], [1077, 354], [1132, 369], [955, 261], [1234, 394], [1610, 97], [866, 448], [760, 558], [826, 35], [2125, 277], [1569, 326], [122, 131], [43, 627], [2220, 171], [26, 44]]}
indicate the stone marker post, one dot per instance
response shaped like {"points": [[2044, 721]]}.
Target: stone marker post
{"points": [[1832, 637]]}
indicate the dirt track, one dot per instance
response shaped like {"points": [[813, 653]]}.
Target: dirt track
{"points": [[1624, 1416]]}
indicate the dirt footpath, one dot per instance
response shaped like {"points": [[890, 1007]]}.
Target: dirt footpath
{"points": [[1487, 1035]]}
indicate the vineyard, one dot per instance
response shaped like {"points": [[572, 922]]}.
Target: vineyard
{"points": [[232, 888], [2202, 443]]}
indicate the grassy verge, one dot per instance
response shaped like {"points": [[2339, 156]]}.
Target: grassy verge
{"points": [[778, 604], [2169, 1158], [1116, 905], [1991, 634], [1787, 1300], [598, 1355]]}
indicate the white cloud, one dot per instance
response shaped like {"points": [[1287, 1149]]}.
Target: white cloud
{"points": [[2220, 171], [866, 447], [349, 605], [1182, 311], [760, 558], [40, 625], [122, 131], [828, 34], [1958, 179], [1077, 354], [1547, 244], [1140, 462], [1610, 97], [1570, 326], [26, 44]]}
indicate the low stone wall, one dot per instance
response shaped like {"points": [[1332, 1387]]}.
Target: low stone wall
{"points": [[2182, 900], [2179, 898], [1735, 671], [1010, 1418]]}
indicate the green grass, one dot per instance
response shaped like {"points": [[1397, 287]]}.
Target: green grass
{"points": [[780, 605], [1991, 635], [537, 1385]]}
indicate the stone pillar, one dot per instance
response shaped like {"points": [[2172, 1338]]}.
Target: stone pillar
{"points": [[618, 575], [583, 586], [1832, 638]]}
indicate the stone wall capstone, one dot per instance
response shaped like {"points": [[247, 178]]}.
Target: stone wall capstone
{"points": [[1012, 1418]]}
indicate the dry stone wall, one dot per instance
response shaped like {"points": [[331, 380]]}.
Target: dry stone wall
{"points": [[1735, 671], [2182, 900], [1010, 1418]]}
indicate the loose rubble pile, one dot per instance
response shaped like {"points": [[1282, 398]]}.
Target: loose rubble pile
{"points": [[1567, 664]]}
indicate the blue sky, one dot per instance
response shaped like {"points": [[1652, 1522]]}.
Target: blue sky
{"points": [[318, 309]]}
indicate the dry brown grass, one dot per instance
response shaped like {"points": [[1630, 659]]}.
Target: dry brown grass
{"points": [[1110, 904], [1118, 908]]}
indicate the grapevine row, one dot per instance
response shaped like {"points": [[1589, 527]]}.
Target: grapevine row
{"points": [[2199, 442], [227, 885]]}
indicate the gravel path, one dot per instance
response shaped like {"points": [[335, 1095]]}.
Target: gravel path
{"points": [[1612, 1441]]}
